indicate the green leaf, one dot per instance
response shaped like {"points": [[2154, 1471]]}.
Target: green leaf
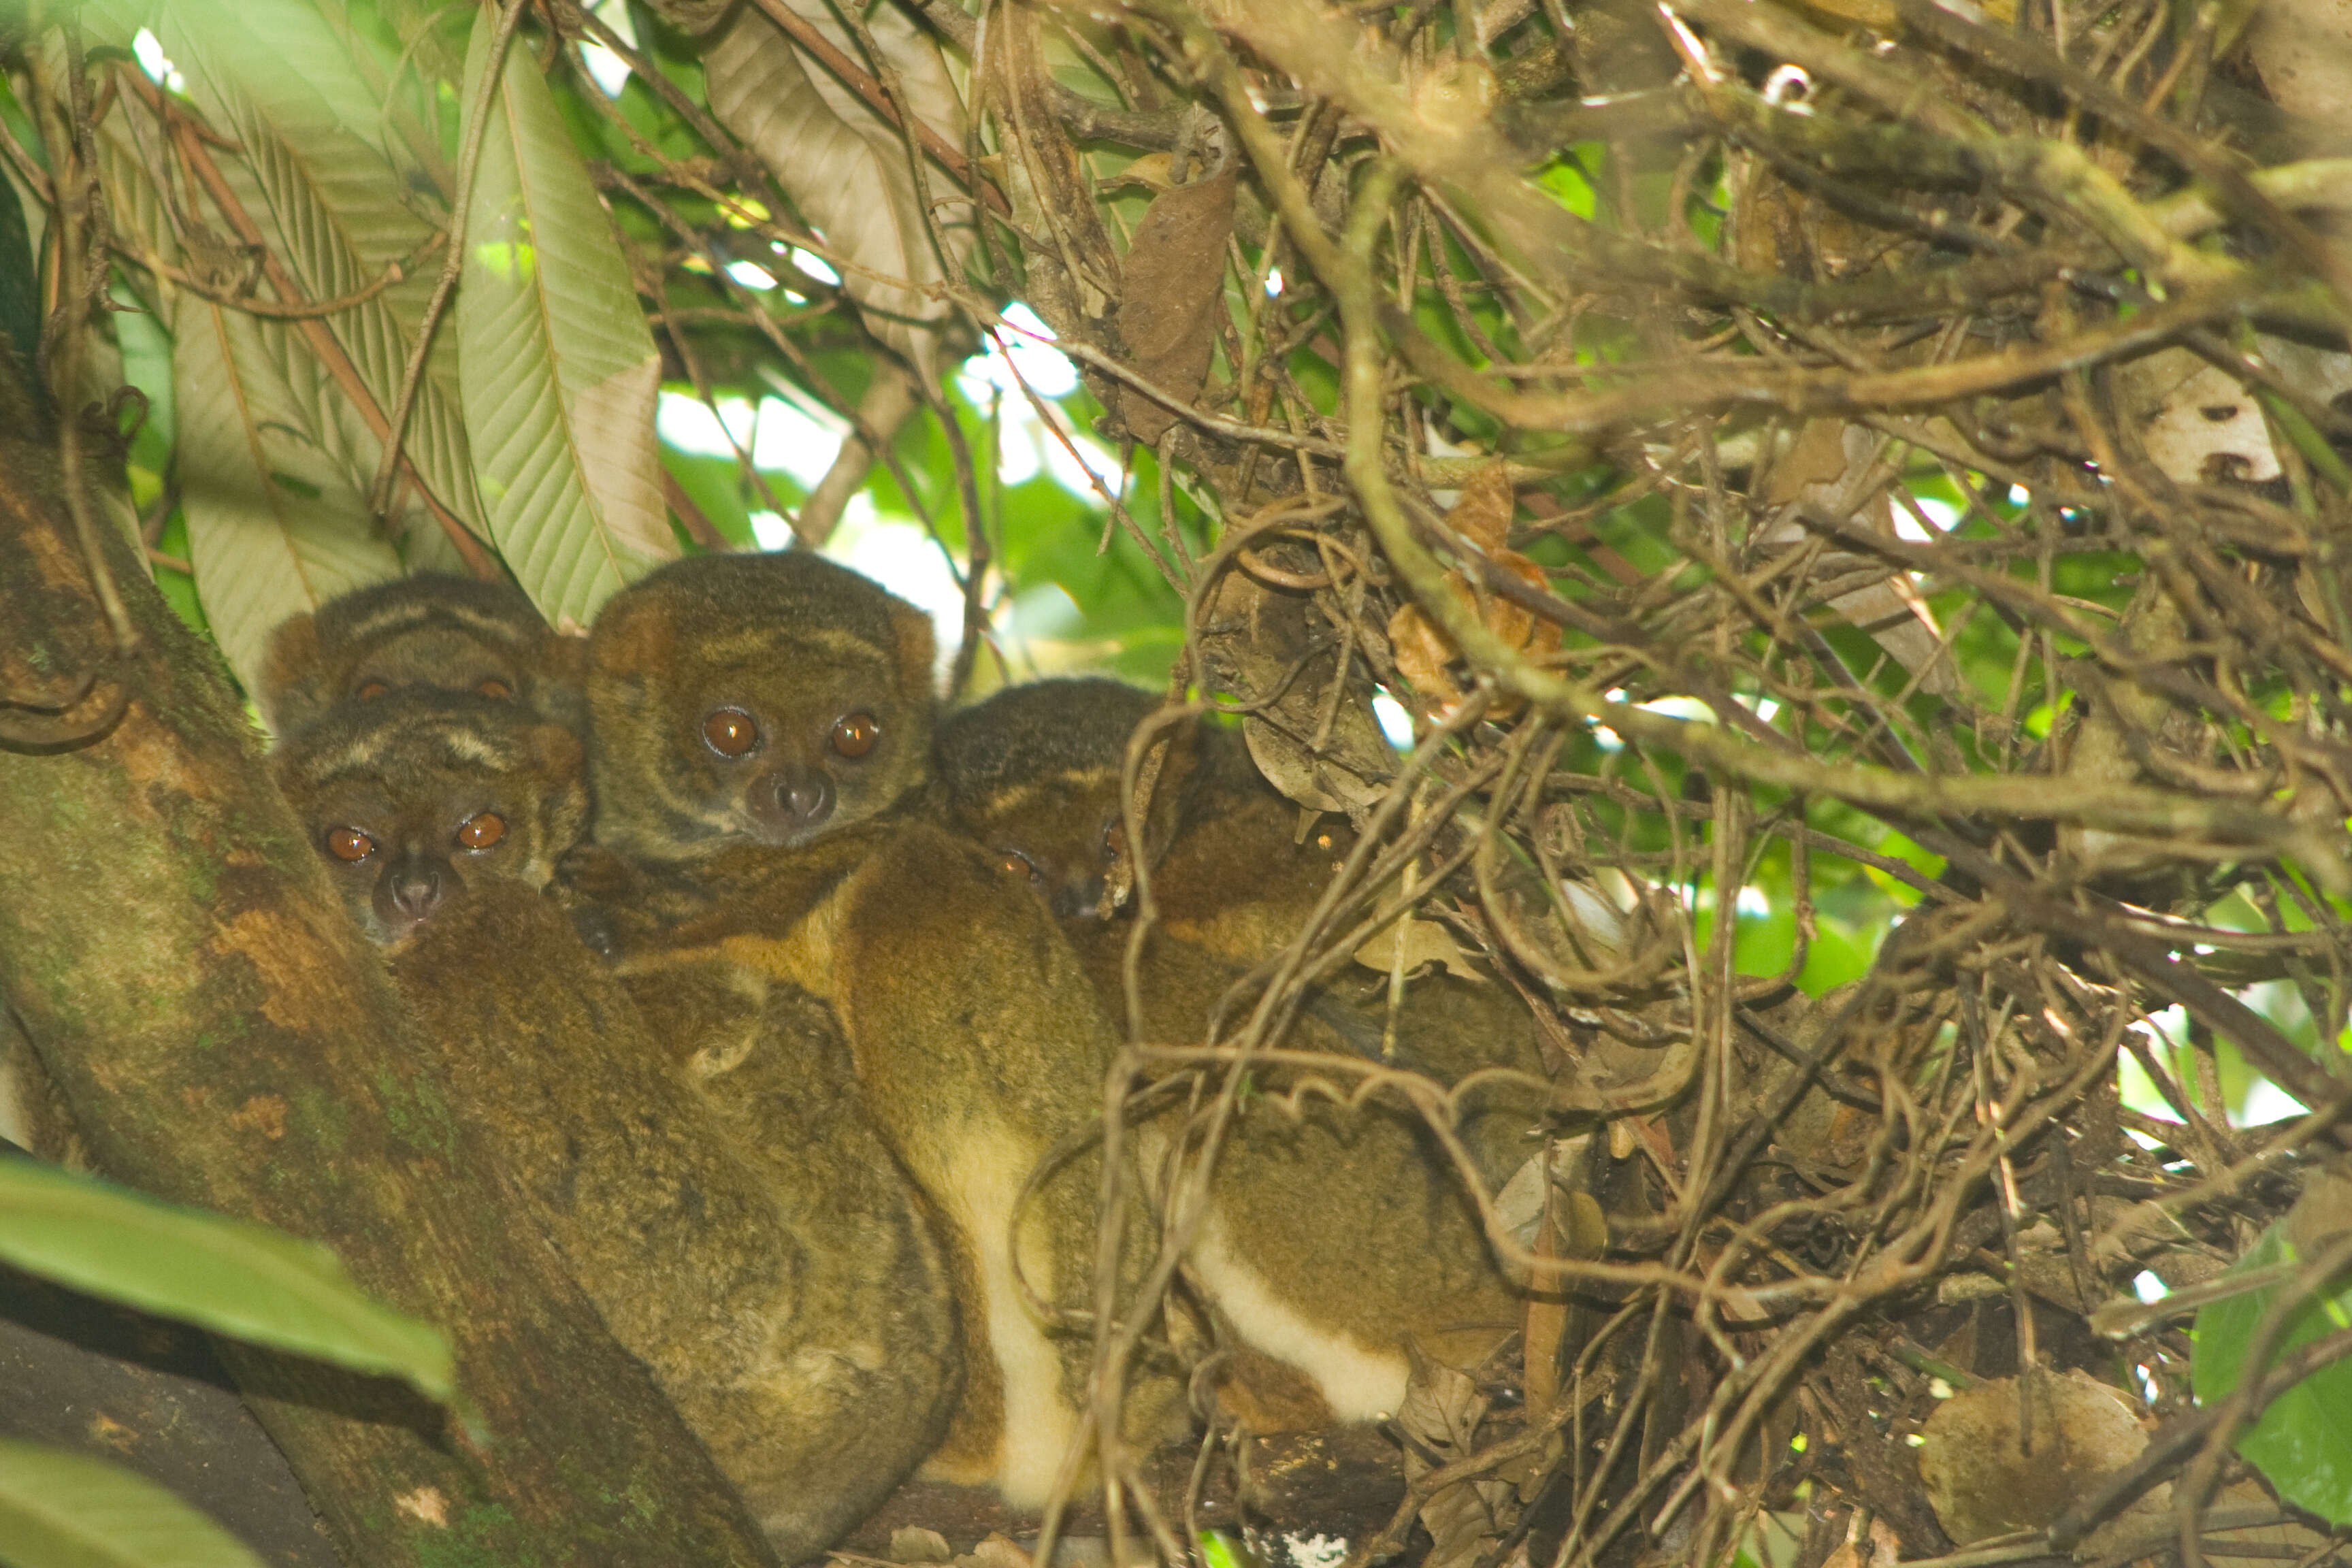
{"points": [[2304, 1440], [65, 1510], [558, 367], [261, 549], [332, 202], [227, 1275]]}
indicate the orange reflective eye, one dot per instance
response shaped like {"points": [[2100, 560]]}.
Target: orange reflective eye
{"points": [[730, 732], [854, 736], [1114, 839], [493, 687], [348, 844], [1015, 864], [481, 832], [370, 690]]}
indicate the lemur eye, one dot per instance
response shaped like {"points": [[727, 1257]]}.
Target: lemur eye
{"points": [[481, 832], [491, 686], [348, 844], [730, 732], [854, 736], [1114, 843], [370, 691], [1015, 863]]}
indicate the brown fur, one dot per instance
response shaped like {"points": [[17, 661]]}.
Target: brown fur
{"points": [[736, 1220], [431, 631], [1333, 1234], [794, 643], [409, 771], [973, 1034]]}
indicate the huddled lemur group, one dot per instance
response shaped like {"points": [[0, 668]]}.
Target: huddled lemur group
{"points": [[795, 1011]]}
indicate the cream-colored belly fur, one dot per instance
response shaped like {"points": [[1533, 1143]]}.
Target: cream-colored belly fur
{"points": [[1039, 1423], [1358, 1384]]}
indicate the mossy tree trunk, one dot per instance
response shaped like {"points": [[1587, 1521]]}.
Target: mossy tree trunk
{"points": [[224, 1036]]}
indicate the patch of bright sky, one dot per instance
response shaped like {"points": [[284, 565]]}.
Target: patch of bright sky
{"points": [[1686, 708], [816, 266], [1942, 513], [2139, 1090], [783, 438], [1025, 445], [801, 441], [786, 437], [904, 558], [1395, 722], [2266, 1101], [147, 49], [610, 70], [1273, 281], [752, 275]]}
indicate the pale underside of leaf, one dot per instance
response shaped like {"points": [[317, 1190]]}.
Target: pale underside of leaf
{"points": [[832, 155], [557, 365], [226, 1275], [316, 178], [60, 1509], [274, 526]]}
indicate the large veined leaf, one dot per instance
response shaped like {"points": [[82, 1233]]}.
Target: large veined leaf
{"points": [[833, 156], [113, 22], [65, 1511], [327, 197], [274, 524], [226, 1275], [2303, 1442], [557, 365]]}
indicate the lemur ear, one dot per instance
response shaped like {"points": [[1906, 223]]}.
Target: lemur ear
{"points": [[292, 676], [918, 648]]}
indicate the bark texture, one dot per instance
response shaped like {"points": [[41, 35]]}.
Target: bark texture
{"points": [[224, 1036]]}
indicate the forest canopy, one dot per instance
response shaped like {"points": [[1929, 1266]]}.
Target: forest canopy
{"points": [[1804, 537]]}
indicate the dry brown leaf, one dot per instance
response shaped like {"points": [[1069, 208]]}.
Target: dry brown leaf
{"points": [[1981, 1484], [1273, 647], [1440, 1414], [2196, 422], [844, 166], [1074, 277], [1482, 514], [1885, 1550], [913, 1543], [1423, 652], [1409, 943], [1174, 287], [996, 1551], [2303, 50]]}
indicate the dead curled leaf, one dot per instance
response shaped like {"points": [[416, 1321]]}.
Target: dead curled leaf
{"points": [[1425, 654], [1440, 1417], [1410, 943], [842, 165], [1275, 650], [1982, 1484], [1173, 285]]}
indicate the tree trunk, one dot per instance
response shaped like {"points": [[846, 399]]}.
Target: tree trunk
{"points": [[224, 1037]]}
